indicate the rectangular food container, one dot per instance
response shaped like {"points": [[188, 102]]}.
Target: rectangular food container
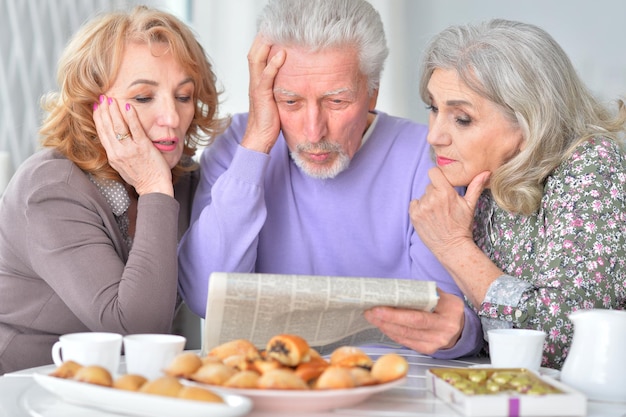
{"points": [[530, 394]]}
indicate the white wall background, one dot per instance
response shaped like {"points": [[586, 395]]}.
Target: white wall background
{"points": [[32, 35], [33, 32], [593, 33]]}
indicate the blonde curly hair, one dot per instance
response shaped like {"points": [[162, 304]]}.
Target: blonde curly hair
{"points": [[88, 67]]}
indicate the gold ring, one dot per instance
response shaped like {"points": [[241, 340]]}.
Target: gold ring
{"points": [[120, 136]]}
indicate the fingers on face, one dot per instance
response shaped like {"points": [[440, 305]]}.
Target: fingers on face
{"points": [[132, 121], [110, 124], [264, 61], [438, 180], [259, 51]]}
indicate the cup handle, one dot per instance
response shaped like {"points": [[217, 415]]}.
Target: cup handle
{"points": [[56, 353]]}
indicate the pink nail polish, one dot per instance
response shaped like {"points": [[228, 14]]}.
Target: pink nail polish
{"points": [[101, 98], [95, 106], [127, 107], [110, 100]]}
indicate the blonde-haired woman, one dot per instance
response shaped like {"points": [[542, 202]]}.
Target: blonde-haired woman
{"points": [[541, 230], [92, 221]]}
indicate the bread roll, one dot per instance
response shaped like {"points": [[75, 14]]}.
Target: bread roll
{"points": [[183, 365], [129, 382], [335, 377], [199, 394], [66, 370], [243, 379], [349, 357], [94, 375], [168, 386], [362, 377], [281, 379], [213, 373], [238, 362], [312, 369], [288, 349], [235, 347], [390, 367], [263, 365]]}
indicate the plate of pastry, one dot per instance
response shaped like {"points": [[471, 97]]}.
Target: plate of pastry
{"points": [[307, 400], [288, 375], [133, 395]]}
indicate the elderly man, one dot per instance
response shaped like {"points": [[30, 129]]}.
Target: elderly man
{"points": [[314, 180]]}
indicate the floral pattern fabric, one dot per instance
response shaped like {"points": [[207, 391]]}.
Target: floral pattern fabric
{"points": [[570, 255]]}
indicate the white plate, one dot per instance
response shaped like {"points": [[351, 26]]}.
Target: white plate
{"points": [[138, 404], [305, 400], [549, 372]]}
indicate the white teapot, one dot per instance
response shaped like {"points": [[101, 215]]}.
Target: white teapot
{"points": [[596, 363]]}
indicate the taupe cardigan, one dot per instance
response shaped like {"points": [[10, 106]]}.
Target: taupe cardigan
{"points": [[64, 266]]}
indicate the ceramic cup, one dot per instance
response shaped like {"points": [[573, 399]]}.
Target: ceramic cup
{"points": [[149, 354], [516, 348], [90, 348]]}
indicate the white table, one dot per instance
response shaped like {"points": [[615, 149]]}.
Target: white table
{"points": [[21, 396]]}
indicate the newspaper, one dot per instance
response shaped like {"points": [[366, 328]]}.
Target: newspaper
{"points": [[327, 311]]}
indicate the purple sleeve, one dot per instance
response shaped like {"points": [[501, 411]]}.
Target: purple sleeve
{"points": [[470, 342], [228, 213]]}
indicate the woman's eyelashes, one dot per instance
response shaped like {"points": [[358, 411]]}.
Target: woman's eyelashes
{"points": [[183, 98], [462, 120], [142, 99]]}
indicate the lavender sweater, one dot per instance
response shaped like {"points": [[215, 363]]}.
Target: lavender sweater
{"points": [[255, 212]]}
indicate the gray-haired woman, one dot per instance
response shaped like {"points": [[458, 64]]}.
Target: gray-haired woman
{"points": [[540, 231]]}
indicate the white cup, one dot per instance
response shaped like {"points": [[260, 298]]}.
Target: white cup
{"points": [[516, 348], [90, 348], [149, 354]]}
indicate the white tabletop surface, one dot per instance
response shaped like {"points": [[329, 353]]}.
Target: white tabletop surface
{"points": [[21, 396]]}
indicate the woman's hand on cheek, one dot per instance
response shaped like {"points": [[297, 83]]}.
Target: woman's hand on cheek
{"points": [[134, 156], [441, 217]]}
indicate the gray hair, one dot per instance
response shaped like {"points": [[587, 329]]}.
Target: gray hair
{"points": [[320, 24], [525, 72]]}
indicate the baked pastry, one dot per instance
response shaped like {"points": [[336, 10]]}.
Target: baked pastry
{"points": [[213, 373], [281, 379], [349, 357], [264, 365], [335, 377], [243, 379], [314, 354], [238, 362], [288, 349], [362, 377], [390, 367], [210, 359], [129, 382], [199, 394], [168, 386], [66, 370], [312, 369], [235, 347], [94, 374], [183, 365]]}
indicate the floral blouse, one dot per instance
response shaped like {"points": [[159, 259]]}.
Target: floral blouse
{"points": [[570, 255]]}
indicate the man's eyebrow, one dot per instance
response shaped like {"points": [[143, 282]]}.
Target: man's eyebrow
{"points": [[338, 91], [282, 91], [290, 93]]}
